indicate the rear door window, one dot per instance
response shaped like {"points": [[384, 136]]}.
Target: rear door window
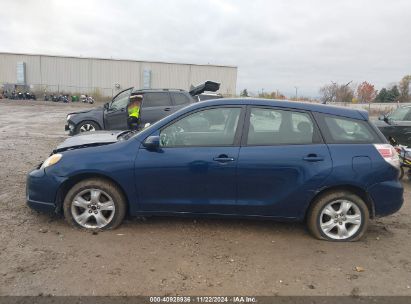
{"points": [[156, 99], [270, 126], [346, 130]]}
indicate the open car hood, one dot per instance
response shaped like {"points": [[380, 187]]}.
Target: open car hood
{"points": [[209, 86], [88, 139]]}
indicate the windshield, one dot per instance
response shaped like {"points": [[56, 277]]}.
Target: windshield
{"points": [[399, 114]]}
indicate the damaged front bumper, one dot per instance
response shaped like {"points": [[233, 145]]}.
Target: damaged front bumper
{"points": [[41, 191], [70, 127]]}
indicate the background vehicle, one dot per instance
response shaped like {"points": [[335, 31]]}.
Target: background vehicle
{"points": [[404, 154], [63, 98], [17, 92], [87, 99], [233, 158], [405, 159], [157, 103], [29, 95], [397, 124], [208, 96]]}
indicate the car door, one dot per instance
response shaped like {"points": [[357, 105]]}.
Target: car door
{"points": [[401, 126], [195, 168], [156, 105], [397, 125], [115, 116], [282, 162]]}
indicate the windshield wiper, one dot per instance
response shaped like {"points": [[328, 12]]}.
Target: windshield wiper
{"points": [[123, 134]]}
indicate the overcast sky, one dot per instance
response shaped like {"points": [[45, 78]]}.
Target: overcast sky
{"points": [[275, 44]]}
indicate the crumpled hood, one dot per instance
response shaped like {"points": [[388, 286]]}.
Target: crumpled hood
{"points": [[99, 109], [88, 139]]}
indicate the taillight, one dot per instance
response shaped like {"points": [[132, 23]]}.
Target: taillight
{"points": [[389, 154]]}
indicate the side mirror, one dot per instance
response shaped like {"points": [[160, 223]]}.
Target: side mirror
{"points": [[152, 143], [381, 117], [106, 105]]}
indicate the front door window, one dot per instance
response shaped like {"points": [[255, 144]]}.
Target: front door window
{"points": [[120, 101], [212, 127]]}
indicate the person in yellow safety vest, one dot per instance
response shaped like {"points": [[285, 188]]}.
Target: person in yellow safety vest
{"points": [[133, 110]]}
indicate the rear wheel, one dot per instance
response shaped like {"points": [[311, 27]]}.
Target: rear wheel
{"points": [[87, 126], [338, 216], [95, 204]]}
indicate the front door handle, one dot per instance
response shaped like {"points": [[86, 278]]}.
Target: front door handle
{"points": [[223, 159], [313, 158], [167, 109]]}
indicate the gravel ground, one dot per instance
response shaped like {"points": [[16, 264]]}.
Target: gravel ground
{"points": [[40, 255]]}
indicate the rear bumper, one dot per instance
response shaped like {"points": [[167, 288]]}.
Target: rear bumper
{"points": [[41, 191], [387, 197]]}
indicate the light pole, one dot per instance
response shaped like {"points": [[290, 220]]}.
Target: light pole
{"points": [[296, 93]]}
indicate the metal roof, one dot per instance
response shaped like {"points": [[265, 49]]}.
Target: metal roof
{"points": [[117, 59]]}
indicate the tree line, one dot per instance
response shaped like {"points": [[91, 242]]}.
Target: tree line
{"points": [[365, 92]]}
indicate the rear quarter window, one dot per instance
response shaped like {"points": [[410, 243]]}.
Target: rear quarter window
{"points": [[180, 99], [345, 130]]}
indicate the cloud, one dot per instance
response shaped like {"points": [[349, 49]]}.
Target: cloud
{"points": [[275, 44]]}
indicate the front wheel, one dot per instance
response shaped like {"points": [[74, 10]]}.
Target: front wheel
{"points": [[94, 204], [338, 216], [87, 126]]}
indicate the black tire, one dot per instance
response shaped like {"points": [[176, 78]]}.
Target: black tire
{"points": [[106, 187], [314, 214], [83, 125]]}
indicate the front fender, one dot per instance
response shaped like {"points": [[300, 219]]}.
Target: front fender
{"points": [[114, 162], [96, 116]]}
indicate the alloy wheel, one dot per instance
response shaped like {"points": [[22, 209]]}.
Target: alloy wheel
{"points": [[87, 128], [93, 208], [340, 219]]}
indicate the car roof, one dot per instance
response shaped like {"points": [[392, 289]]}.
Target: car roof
{"points": [[135, 90], [307, 106]]}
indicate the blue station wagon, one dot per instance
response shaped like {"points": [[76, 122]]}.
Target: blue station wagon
{"points": [[324, 165]]}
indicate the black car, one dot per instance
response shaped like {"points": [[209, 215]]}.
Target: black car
{"points": [[397, 125], [157, 103]]}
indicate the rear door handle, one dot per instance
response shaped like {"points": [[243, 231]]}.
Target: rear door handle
{"points": [[223, 159], [313, 158], [167, 109]]}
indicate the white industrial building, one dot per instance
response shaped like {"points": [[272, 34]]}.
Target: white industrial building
{"points": [[108, 76]]}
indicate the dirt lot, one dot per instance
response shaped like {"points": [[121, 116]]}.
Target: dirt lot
{"points": [[43, 255]]}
